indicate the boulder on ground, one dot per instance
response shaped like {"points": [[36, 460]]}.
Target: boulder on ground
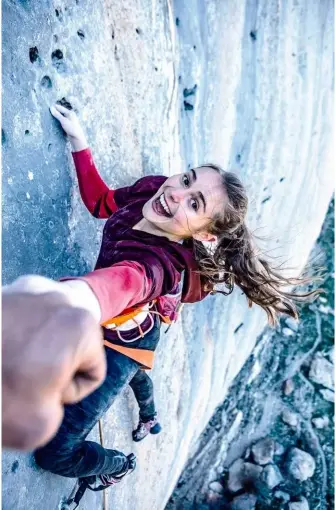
{"points": [[322, 371], [272, 476], [216, 487], [288, 387], [242, 473], [263, 451], [282, 495], [235, 476], [244, 502], [290, 418], [328, 395], [301, 465], [320, 422], [299, 505]]}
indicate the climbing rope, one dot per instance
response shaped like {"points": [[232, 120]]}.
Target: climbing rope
{"points": [[81, 486], [101, 437]]}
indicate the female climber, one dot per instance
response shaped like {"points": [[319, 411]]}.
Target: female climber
{"points": [[153, 256]]}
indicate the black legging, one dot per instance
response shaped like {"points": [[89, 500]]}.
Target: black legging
{"points": [[68, 453]]}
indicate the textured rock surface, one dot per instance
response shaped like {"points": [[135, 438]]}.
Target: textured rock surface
{"points": [[262, 105], [216, 487]]}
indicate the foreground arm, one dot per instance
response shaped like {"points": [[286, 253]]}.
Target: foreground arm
{"points": [[52, 355], [53, 350]]}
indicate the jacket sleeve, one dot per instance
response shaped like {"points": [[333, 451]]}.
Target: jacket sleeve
{"points": [[96, 195], [118, 287], [101, 201]]}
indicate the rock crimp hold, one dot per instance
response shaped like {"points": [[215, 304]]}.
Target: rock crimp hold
{"points": [[288, 387]]}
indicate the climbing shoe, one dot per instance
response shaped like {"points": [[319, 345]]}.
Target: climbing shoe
{"points": [[108, 480], [146, 427], [98, 483]]}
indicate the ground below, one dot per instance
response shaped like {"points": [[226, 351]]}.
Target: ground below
{"points": [[271, 443]]}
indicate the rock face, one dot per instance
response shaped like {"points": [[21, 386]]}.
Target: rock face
{"points": [[260, 95], [282, 496]]}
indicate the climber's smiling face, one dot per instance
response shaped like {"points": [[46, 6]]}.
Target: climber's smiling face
{"points": [[186, 203]]}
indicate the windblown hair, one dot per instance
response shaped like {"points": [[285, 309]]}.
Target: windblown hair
{"points": [[237, 261]]}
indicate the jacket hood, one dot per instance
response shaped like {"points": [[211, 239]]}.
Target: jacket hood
{"points": [[193, 289]]}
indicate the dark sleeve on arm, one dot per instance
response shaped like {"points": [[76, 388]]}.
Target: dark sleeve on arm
{"points": [[97, 197]]}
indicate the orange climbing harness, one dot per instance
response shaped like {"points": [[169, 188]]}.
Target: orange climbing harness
{"points": [[130, 314], [167, 307], [135, 317]]}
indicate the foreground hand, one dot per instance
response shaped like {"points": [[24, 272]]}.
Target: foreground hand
{"points": [[52, 355]]}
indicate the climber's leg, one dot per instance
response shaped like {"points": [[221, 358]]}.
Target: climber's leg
{"points": [[69, 454]]}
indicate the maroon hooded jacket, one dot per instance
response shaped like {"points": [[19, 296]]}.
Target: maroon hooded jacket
{"points": [[133, 267]]}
